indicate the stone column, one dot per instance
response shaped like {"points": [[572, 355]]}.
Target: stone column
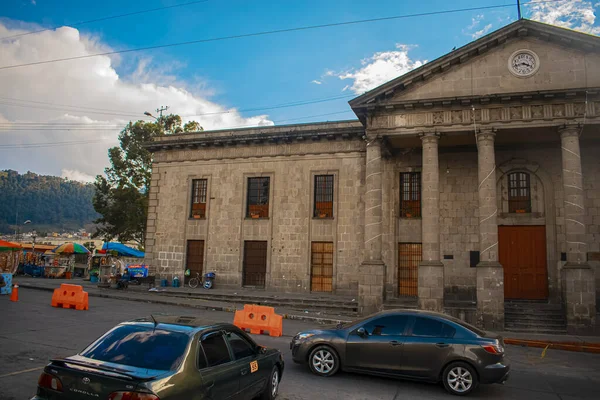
{"points": [[371, 279], [490, 275], [578, 280], [431, 269]]}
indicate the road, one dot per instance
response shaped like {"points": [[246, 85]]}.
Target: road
{"points": [[31, 332]]}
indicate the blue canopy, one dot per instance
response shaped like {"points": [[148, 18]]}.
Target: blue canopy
{"points": [[122, 250]]}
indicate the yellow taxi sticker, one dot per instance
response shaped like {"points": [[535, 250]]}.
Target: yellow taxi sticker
{"points": [[253, 367]]}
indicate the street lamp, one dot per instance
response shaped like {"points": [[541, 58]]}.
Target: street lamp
{"points": [[150, 115], [33, 236]]}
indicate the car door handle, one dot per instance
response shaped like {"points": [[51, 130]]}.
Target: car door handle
{"points": [[395, 343], [244, 371], [442, 345]]}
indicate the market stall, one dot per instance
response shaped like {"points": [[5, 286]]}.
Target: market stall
{"points": [[63, 264], [9, 261], [112, 260]]}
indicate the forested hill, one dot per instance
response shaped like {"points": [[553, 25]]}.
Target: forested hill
{"points": [[50, 202]]}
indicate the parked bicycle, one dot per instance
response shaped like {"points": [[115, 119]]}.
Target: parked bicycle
{"points": [[194, 282], [197, 280]]}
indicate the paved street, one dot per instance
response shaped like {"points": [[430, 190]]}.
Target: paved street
{"points": [[32, 332]]}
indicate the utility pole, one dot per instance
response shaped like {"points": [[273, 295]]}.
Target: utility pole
{"points": [[518, 9], [161, 109]]}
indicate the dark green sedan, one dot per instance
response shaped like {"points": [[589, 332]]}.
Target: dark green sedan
{"points": [[166, 358]]}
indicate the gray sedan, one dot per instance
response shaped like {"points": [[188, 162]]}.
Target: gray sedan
{"points": [[415, 345]]}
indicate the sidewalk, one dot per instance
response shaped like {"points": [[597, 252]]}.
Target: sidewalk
{"points": [[178, 297]]}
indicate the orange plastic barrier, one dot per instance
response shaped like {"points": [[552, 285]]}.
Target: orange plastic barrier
{"points": [[70, 296], [259, 319]]}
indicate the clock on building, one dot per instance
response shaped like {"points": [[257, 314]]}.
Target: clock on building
{"points": [[523, 63]]}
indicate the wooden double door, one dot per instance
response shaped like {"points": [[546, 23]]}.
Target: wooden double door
{"points": [[255, 263], [522, 253], [194, 259]]}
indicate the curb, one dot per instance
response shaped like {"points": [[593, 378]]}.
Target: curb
{"points": [[295, 317], [566, 346]]}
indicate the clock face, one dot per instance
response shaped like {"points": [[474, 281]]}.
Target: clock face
{"points": [[523, 63]]}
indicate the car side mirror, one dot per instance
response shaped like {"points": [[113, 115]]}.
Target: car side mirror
{"points": [[261, 350], [361, 332]]}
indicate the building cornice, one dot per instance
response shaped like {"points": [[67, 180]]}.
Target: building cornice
{"points": [[345, 130]]}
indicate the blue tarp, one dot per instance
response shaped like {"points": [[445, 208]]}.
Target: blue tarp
{"points": [[122, 250]]}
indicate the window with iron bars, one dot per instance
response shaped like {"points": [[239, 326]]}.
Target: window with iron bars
{"points": [[323, 207], [199, 188], [258, 197], [410, 194], [519, 193]]}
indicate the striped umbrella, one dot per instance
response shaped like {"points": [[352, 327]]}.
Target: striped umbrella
{"points": [[8, 246], [71, 248]]}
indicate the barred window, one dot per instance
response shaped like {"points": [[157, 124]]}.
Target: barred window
{"points": [[410, 194], [323, 196], [199, 187], [258, 197], [519, 193]]}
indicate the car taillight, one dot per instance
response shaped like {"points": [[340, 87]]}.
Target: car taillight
{"points": [[132, 396], [493, 348], [48, 381]]}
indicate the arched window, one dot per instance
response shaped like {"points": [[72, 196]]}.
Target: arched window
{"points": [[519, 192]]}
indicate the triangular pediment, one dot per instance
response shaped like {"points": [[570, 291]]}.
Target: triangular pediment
{"points": [[567, 60]]}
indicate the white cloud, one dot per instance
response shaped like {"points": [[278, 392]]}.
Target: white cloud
{"points": [[381, 67], [316, 82], [475, 21], [106, 100], [481, 32], [579, 15], [76, 176]]}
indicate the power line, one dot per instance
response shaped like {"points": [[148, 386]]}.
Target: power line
{"points": [[91, 141], [58, 104], [106, 18], [272, 32], [49, 106]]}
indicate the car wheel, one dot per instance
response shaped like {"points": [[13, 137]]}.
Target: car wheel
{"points": [[272, 388], [324, 361], [460, 379]]}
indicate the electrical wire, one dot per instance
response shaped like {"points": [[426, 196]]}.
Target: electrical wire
{"points": [[106, 18], [91, 141], [47, 106], [272, 32]]}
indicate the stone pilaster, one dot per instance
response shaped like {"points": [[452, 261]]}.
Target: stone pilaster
{"points": [[371, 279], [490, 276], [431, 269], [151, 257], [577, 278]]}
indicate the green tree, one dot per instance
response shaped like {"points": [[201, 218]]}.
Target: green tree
{"points": [[121, 196]]}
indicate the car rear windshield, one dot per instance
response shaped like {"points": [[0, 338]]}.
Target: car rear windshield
{"points": [[141, 347], [465, 325]]}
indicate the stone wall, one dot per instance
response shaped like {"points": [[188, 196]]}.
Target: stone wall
{"points": [[290, 227], [459, 211]]}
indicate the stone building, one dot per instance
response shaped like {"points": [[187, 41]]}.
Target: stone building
{"points": [[469, 182]]}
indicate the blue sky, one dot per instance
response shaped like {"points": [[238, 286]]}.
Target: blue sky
{"points": [[227, 75]]}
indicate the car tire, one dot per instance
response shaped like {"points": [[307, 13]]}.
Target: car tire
{"points": [[272, 389], [459, 379], [323, 361]]}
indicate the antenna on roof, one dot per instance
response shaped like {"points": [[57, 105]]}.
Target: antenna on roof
{"points": [[519, 9], [153, 319]]}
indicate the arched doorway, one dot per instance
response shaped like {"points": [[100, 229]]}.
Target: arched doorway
{"points": [[523, 230]]}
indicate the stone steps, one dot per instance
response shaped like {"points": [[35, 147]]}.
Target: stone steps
{"points": [[330, 305], [534, 317], [405, 303]]}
